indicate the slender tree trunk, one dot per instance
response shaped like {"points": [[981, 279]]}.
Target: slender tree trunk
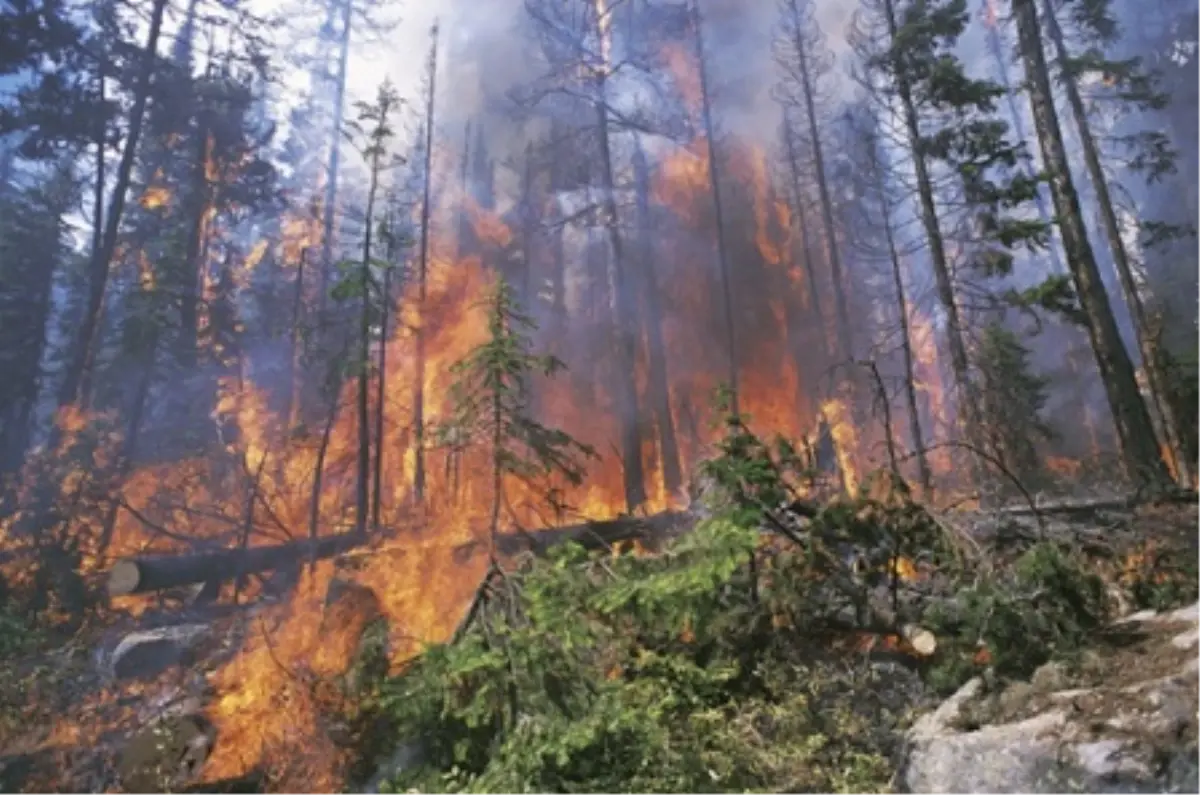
{"points": [[1152, 359], [422, 277], [658, 378], [335, 155], [362, 501], [77, 381], [381, 396], [959, 361], [1135, 431], [627, 398], [910, 380], [98, 185], [718, 211], [845, 342], [810, 274]]}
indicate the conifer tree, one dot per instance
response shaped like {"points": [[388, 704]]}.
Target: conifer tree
{"points": [[1135, 430], [490, 406], [1013, 397], [956, 137]]}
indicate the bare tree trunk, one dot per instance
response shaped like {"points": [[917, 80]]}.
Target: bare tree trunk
{"points": [[627, 398], [422, 277], [77, 381], [845, 341], [1152, 359], [658, 378], [335, 155], [959, 362], [1135, 431], [718, 211]]}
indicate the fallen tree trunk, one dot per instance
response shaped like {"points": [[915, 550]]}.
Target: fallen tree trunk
{"points": [[153, 573]]}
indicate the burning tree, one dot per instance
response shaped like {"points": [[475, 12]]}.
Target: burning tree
{"points": [[490, 407]]}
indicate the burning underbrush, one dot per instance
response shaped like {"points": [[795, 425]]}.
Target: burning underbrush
{"points": [[600, 670]]}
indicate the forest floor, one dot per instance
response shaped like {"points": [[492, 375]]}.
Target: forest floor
{"points": [[66, 721]]}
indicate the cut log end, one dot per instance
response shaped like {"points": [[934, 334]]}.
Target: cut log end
{"points": [[123, 578], [922, 641]]}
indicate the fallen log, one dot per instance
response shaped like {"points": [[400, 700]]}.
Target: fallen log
{"points": [[153, 573]]}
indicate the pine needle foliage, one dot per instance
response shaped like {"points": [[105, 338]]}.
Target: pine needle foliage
{"points": [[490, 403]]}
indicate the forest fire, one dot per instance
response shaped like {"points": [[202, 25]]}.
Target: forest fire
{"points": [[260, 420]]}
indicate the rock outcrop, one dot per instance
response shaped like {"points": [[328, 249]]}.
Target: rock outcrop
{"points": [[1123, 719]]}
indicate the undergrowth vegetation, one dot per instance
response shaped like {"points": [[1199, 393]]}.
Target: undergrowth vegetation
{"points": [[761, 651]]}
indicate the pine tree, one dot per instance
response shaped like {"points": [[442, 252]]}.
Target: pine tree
{"points": [[955, 135], [490, 406], [1150, 152], [1013, 397], [1135, 430]]}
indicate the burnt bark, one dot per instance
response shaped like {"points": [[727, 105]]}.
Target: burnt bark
{"points": [[1135, 430]]}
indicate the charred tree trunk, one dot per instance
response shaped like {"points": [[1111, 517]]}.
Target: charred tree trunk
{"points": [[422, 278], [658, 378], [718, 211], [627, 398], [76, 386], [1135, 431], [1152, 358], [959, 361]]}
